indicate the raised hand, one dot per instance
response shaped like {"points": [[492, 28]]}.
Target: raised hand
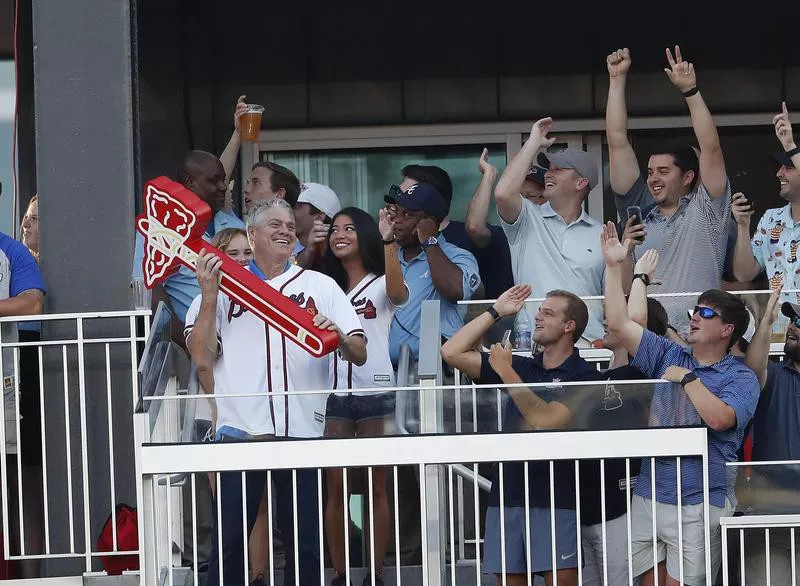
{"points": [[500, 358], [318, 233], [618, 63], [484, 166], [634, 232], [539, 131], [680, 72], [742, 210], [512, 300], [426, 228], [614, 251], [208, 266], [773, 305], [783, 128], [647, 264], [241, 108], [385, 224]]}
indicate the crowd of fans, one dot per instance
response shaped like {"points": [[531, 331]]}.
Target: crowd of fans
{"points": [[365, 279]]}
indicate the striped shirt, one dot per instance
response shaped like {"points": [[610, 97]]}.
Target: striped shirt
{"points": [[691, 244], [730, 380]]}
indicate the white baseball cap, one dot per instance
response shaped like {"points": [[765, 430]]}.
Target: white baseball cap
{"points": [[321, 197]]}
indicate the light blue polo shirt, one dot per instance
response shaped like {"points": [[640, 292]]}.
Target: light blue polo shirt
{"points": [[547, 253], [730, 380], [181, 287], [417, 275]]}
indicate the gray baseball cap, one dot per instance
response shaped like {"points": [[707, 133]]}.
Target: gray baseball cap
{"points": [[579, 160]]}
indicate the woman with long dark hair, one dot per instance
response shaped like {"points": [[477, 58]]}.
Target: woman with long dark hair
{"points": [[362, 258]]}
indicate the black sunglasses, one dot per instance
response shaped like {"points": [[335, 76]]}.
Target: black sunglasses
{"points": [[394, 191], [795, 321], [705, 312]]}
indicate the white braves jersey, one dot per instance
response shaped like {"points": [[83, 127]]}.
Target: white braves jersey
{"points": [[375, 312], [255, 358]]}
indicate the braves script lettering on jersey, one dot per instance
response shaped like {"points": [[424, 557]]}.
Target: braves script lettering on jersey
{"points": [[254, 358], [375, 312]]}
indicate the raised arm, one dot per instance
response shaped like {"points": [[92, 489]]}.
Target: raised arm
{"points": [[537, 413], [637, 300], [202, 339], [783, 130], [478, 210], [745, 265], [757, 355], [231, 152], [627, 331], [396, 289], [459, 351], [507, 192], [712, 163], [624, 168], [447, 277]]}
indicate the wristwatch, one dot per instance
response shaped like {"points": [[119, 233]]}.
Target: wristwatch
{"points": [[430, 241], [643, 276], [388, 242], [688, 378]]}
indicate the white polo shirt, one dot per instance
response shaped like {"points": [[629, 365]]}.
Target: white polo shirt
{"points": [[375, 312], [256, 358]]}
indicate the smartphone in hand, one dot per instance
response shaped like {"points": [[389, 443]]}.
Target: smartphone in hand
{"points": [[635, 211]]}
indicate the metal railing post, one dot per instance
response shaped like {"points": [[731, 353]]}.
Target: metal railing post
{"points": [[431, 422]]}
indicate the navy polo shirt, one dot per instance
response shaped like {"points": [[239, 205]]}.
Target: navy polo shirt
{"points": [[777, 418], [531, 370], [494, 260]]}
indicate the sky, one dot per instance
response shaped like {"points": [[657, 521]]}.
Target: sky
{"points": [[6, 132]]}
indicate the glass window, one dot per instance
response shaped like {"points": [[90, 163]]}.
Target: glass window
{"points": [[361, 178]]}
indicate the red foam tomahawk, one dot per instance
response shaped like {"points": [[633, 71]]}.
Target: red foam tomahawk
{"points": [[173, 225]]}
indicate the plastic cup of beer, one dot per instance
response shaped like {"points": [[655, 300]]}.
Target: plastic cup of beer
{"points": [[250, 122]]}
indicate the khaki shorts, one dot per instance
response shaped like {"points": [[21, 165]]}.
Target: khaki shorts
{"points": [[694, 565]]}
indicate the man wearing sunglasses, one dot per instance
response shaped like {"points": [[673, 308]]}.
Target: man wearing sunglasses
{"points": [[714, 389], [775, 438]]}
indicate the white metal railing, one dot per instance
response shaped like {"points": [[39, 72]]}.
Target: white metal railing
{"points": [[87, 367]]}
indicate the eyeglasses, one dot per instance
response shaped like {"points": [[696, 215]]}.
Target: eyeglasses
{"points": [[705, 312]]}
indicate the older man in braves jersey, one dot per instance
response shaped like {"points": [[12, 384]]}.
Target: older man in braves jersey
{"points": [[247, 356]]}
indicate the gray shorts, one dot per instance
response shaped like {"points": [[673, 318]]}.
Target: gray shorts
{"points": [[694, 560], [539, 545]]}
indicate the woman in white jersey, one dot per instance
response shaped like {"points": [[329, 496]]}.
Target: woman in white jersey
{"points": [[368, 270]]}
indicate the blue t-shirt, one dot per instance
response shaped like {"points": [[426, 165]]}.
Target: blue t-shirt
{"points": [[18, 272], [181, 287], [777, 419], [494, 260], [730, 380], [532, 370], [417, 275]]}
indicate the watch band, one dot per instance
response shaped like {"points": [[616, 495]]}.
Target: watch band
{"points": [[430, 241], [644, 277], [388, 242], [688, 378], [691, 92], [493, 312], [792, 152]]}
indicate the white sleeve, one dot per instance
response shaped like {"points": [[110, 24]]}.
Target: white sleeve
{"points": [[191, 317], [341, 311]]}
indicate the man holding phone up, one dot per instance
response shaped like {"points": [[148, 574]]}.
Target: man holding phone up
{"points": [[685, 199]]}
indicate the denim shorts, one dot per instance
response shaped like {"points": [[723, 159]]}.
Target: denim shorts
{"points": [[358, 408]]}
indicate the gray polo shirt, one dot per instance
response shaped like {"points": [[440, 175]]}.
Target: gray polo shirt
{"points": [[691, 244], [547, 253]]}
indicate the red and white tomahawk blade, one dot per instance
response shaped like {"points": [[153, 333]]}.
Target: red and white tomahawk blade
{"points": [[173, 226]]}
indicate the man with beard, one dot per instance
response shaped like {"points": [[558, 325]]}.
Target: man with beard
{"points": [[685, 199], [774, 247], [775, 438]]}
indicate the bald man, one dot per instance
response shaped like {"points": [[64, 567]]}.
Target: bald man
{"points": [[202, 173]]}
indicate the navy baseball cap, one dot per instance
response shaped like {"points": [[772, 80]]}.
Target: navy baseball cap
{"points": [[783, 159], [536, 174], [422, 197]]}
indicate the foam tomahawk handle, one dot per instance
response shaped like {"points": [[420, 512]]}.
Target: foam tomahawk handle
{"points": [[173, 225]]}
